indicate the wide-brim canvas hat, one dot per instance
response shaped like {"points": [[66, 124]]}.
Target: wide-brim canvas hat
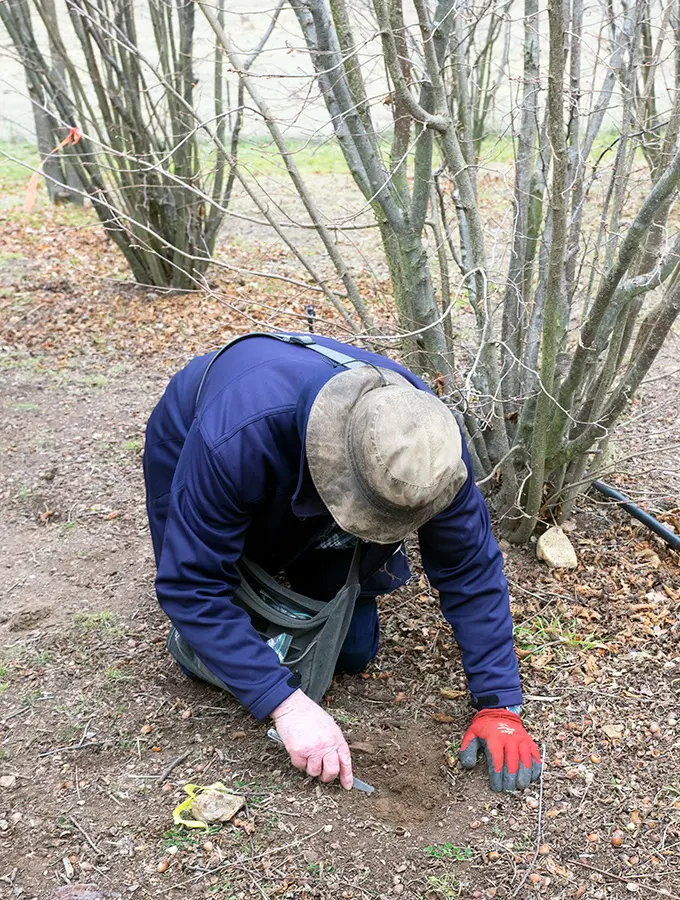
{"points": [[384, 456]]}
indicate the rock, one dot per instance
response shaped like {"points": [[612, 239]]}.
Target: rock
{"points": [[8, 781], [216, 806], [615, 732], [555, 548], [82, 892]]}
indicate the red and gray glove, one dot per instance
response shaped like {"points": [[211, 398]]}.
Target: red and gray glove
{"points": [[513, 757]]}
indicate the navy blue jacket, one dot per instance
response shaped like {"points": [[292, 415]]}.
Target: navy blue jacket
{"points": [[229, 477]]}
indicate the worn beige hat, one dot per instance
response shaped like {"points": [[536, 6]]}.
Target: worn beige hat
{"points": [[384, 456]]}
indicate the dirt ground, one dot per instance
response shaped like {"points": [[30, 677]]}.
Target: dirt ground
{"points": [[93, 711]]}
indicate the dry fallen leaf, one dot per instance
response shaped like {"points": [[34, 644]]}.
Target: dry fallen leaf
{"points": [[443, 717], [450, 694]]}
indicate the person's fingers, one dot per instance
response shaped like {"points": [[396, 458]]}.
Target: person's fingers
{"points": [[331, 767], [536, 770], [467, 755], [511, 760], [523, 776], [345, 759], [509, 779], [526, 753], [298, 760], [495, 776], [314, 765]]}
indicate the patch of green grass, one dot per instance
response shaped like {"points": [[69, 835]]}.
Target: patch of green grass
{"points": [[541, 632], [344, 717], [3, 671], [317, 870], [178, 836], [6, 257], [97, 380], [132, 446], [36, 658], [23, 492], [96, 621], [31, 698], [225, 889], [13, 173], [4, 686], [114, 676], [445, 886], [25, 407], [68, 527], [448, 851]]}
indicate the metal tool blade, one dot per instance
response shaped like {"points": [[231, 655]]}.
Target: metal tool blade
{"points": [[357, 783]]}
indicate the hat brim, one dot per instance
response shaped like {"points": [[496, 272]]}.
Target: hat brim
{"points": [[329, 461]]}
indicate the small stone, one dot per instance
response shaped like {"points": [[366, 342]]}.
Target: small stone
{"points": [[493, 856], [145, 729], [328, 828], [398, 888], [595, 758], [168, 788], [216, 806], [163, 865], [632, 887], [617, 838], [614, 732], [8, 781], [544, 849], [475, 824], [532, 802], [208, 846], [654, 727], [555, 549], [187, 713], [172, 849]]}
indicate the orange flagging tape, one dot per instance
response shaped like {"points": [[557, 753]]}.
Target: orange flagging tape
{"points": [[32, 189]]}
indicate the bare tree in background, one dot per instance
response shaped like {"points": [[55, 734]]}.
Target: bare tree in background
{"points": [[571, 277], [160, 193]]}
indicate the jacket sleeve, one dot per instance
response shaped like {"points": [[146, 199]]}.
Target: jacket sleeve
{"points": [[204, 537], [463, 561]]}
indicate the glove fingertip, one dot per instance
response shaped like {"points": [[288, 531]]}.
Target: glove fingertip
{"points": [[496, 778], [536, 769], [523, 777], [467, 756]]}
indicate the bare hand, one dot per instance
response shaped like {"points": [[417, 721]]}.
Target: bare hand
{"points": [[313, 740]]}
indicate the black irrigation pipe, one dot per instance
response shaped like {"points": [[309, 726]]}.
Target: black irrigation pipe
{"points": [[672, 539]]}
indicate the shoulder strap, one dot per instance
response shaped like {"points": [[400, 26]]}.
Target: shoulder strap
{"points": [[302, 340]]}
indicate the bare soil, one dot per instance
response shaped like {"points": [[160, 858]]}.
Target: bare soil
{"points": [[93, 711]]}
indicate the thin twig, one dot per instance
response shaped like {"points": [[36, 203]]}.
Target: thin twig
{"points": [[80, 746], [538, 829], [87, 837], [173, 765]]}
